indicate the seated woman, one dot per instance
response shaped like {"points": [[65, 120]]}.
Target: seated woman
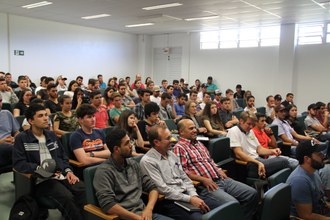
{"points": [[128, 122], [211, 120], [190, 113], [77, 99], [66, 120], [87, 143], [73, 85], [23, 103], [291, 118], [107, 100], [137, 86]]}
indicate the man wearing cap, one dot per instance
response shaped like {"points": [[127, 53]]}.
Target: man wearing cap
{"points": [[308, 198], [278, 99], [217, 98], [312, 123], [155, 97], [285, 131], [61, 85], [37, 144]]}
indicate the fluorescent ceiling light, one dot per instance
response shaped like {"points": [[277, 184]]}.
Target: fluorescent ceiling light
{"points": [[162, 6], [321, 4], [138, 25], [254, 6], [38, 4], [96, 16], [202, 18]]}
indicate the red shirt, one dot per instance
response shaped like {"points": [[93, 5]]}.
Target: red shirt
{"points": [[195, 159], [262, 137], [101, 117]]}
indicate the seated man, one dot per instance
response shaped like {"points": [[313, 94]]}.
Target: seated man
{"points": [[88, 143], [198, 165], [270, 109], [228, 119], [167, 110], [288, 99], [250, 105], [118, 182], [37, 144], [52, 103], [267, 139], [312, 123], [8, 95], [164, 168], [308, 199], [206, 99], [115, 112], [180, 103], [101, 114], [285, 131], [247, 148], [144, 95], [9, 128]]}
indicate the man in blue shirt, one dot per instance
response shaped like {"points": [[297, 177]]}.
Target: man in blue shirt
{"points": [[210, 86], [307, 191]]}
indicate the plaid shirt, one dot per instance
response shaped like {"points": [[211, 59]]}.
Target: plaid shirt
{"points": [[139, 111], [195, 159]]}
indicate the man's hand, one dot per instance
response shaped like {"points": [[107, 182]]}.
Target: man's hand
{"points": [[209, 184], [202, 130], [146, 214], [277, 151], [222, 174], [7, 140], [261, 170], [72, 179], [197, 202]]}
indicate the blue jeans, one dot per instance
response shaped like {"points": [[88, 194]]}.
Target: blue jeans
{"points": [[168, 208], [156, 216], [231, 190]]}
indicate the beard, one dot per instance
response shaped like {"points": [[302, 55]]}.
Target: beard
{"points": [[317, 164]]}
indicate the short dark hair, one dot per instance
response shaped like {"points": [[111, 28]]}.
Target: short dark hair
{"points": [[238, 86], [114, 138], [249, 97], [193, 92], [37, 101], [21, 78], [228, 91], [288, 94], [224, 100], [49, 79], [51, 86], [164, 80], [154, 134], [260, 115], [142, 91], [61, 99], [79, 77], [165, 95], [175, 81], [268, 97], [94, 93], [31, 111], [85, 109], [92, 81], [169, 86], [121, 84], [99, 75], [181, 94], [2, 79], [150, 108]]}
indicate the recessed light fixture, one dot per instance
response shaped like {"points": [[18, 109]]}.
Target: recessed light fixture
{"points": [[139, 25], [202, 18], [95, 16], [38, 4], [162, 6]]}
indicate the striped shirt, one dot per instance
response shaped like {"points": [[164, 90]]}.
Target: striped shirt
{"points": [[195, 159]]}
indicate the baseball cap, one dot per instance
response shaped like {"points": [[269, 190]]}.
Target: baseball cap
{"points": [[217, 92], [306, 148], [47, 168], [204, 85], [156, 89], [278, 97], [209, 78], [61, 77]]}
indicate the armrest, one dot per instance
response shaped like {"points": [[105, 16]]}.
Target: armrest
{"points": [[286, 143], [76, 163], [241, 162], [27, 175], [98, 212]]}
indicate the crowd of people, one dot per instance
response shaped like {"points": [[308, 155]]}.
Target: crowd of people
{"points": [[139, 112]]}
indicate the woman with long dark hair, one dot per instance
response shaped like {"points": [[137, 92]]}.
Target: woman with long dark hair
{"points": [[128, 122], [23, 103], [107, 101], [211, 120]]}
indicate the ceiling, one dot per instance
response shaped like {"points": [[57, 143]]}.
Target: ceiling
{"points": [[232, 13]]}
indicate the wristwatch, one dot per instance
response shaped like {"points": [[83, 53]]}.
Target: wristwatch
{"points": [[91, 154]]}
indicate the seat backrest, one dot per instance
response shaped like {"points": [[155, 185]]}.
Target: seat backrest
{"points": [[107, 130], [229, 210], [261, 110], [220, 150], [237, 113], [89, 173], [301, 120], [171, 125], [276, 203], [65, 139], [279, 177], [240, 102]]}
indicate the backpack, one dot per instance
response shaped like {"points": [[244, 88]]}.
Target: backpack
{"points": [[25, 208]]}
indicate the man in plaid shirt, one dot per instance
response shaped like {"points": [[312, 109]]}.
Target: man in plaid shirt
{"points": [[199, 166]]}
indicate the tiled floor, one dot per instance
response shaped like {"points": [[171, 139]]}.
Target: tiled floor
{"points": [[7, 197]]}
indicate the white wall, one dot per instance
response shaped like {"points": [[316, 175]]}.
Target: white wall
{"points": [[53, 48], [261, 70], [3, 43]]}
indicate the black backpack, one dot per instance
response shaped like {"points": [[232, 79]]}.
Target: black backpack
{"points": [[25, 207]]}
